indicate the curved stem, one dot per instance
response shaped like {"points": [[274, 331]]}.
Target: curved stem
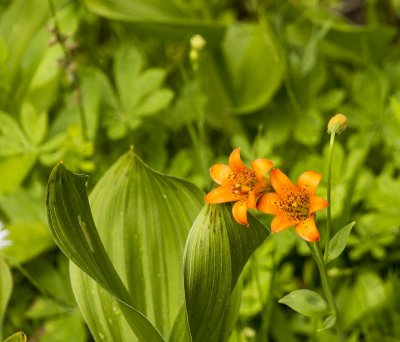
{"points": [[319, 259], [328, 195]]}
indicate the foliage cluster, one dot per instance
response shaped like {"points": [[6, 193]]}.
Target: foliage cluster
{"points": [[81, 81]]}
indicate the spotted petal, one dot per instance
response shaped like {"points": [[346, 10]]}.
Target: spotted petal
{"points": [[220, 173], [317, 203], [221, 194], [282, 184], [261, 167], [235, 162], [282, 222], [251, 199], [270, 203], [239, 211], [309, 181], [307, 229]]}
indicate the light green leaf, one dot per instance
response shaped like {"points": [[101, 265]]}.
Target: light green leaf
{"points": [[216, 251], [148, 81], [14, 169], [30, 238], [33, 123], [72, 226], [5, 290], [12, 139], [127, 66], [255, 64], [155, 102], [306, 302], [339, 241], [17, 337], [329, 322]]}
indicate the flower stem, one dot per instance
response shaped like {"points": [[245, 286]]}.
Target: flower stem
{"points": [[319, 259], [328, 195]]}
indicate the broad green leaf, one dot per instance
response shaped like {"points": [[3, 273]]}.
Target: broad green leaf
{"points": [[72, 226], [255, 64], [17, 337], [5, 290], [339, 242], [150, 215], [306, 302], [166, 18], [216, 251]]}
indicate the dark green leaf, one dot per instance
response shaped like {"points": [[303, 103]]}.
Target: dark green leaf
{"points": [[72, 226], [216, 251]]}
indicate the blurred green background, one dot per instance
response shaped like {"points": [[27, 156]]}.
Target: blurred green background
{"points": [[81, 81]]}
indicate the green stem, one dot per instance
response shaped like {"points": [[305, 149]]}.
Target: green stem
{"points": [[328, 195], [319, 259]]}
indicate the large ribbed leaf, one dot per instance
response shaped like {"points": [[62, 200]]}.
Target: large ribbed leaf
{"points": [[73, 229], [5, 290], [216, 251], [143, 219]]}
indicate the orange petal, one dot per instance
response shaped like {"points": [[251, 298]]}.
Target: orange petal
{"points": [[282, 184], [262, 186], [307, 229], [221, 194], [282, 222], [220, 173], [251, 200], [261, 167], [239, 211], [270, 203], [235, 163], [309, 181], [317, 203]]}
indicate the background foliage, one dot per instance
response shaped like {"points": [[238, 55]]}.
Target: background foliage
{"points": [[268, 79]]}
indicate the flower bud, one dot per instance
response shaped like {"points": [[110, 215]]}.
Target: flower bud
{"points": [[337, 124]]}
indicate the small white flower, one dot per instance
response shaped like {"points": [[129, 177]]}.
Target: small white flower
{"points": [[197, 42], [3, 234]]}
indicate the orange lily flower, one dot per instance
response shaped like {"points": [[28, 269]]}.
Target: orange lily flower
{"points": [[239, 184], [294, 204]]}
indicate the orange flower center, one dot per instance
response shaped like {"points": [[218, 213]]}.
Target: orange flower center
{"points": [[243, 182], [296, 205]]}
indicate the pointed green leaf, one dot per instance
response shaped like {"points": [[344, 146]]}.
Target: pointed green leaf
{"points": [[17, 337], [5, 290], [339, 241], [72, 227], [154, 102], [216, 251], [329, 322], [127, 66], [306, 302], [143, 219]]}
